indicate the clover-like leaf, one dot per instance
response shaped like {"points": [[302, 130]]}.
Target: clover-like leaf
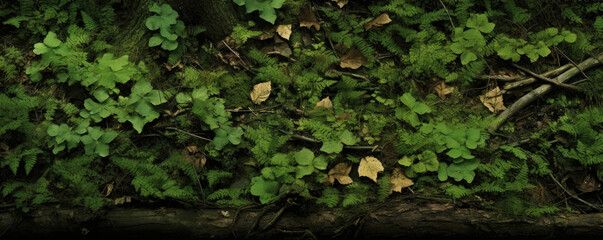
{"points": [[267, 190], [51, 40], [348, 138], [463, 170]]}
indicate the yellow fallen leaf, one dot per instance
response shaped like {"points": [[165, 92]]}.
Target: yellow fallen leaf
{"points": [[109, 189], [370, 167], [443, 90], [352, 59], [398, 181], [260, 92], [307, 18], [325, 102], [341, 3], [340, 172], [378, 22], [284, 31], [493, 100]]}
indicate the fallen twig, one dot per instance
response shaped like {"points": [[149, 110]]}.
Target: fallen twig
{"points": [[574, 195], [542, 90], [546, 79], [572, 61], [190, 134], [354, 147], [531, 80]]}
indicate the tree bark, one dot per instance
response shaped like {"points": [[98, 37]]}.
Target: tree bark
{"points": [[395, 219], [217, 16]]}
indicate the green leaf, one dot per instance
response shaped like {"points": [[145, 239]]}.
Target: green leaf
{"points": [[348, 138], [454, 153], [431, 160], [102, 149], [419, 167], [301, 171], [463, 170], [141, 88], [51, 40], [108, 137], [169, 45], [468, 57], [266, 190], [183, 98], [421, 108], [408, 100], [156, 40], [304, 157], [53, 130], [443, 172], [280, 159], [144, 108], [407, 161], [156, 97], [321, 162], [40, 48], [100, 94], [332, 147]]}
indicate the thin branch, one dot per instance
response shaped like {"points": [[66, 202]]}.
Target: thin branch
{"points": [[447, 13], [501, 78], [551, 81], [573, 63], [190, 134], [353, 147], [236, 54], [574, 195], [531, 80]]}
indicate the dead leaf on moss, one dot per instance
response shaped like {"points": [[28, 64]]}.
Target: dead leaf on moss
{"points": [[307, 18], [353, 59], [443, 90], [493, 100], [325, 102], [341, 3], [370, 167], [284, 31], [378, 22], [192, 156], [122, 200], [260, 92], [398, 181], [109, 189], [340, 172], [228, 54]]}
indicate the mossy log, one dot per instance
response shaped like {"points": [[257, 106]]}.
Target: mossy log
{"points": [[398, 219]]}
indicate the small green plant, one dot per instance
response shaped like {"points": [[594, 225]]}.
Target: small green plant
{"points": [[264, 7], [427, 161], [415, 108], [510, 48], [469, 42], [97, 141], [170, 28]]}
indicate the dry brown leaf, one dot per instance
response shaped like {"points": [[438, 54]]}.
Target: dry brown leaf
{"points": [[378, 22], [493, 100], [109, 189], [122, 200], [307, 18], [192, 156], [4, 146], [325, 102], [370, 167], [260, 92], [340, 172], [192, 149], [341, 3], [352, 59], [398, 181], [443, 90], [284, 31]]}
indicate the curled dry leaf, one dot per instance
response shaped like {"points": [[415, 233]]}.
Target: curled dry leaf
{"points": [[370, 167], [378, 22], [325, 102], [352, 59], [307, 18], [341, 3], [398, 181], [340, 172], [122, 200], [443, 90], [260, 92], [284, 31], [109, 189], [493, 100], [268, 34]]}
